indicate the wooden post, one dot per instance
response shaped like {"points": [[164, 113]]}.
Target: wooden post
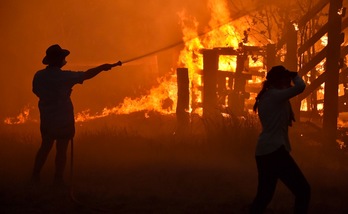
{"points": [[239, 86], [182, 107], [210, 68], [335, 39], [291, 48], [291, 63]]}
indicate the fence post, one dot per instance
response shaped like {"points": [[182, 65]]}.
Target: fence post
{"points": [[335, 38], [210, 68], [291, 63], [182, 107]]}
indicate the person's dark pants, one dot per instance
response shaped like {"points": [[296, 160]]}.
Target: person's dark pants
{"points": [[60, 161], [280, 165]]}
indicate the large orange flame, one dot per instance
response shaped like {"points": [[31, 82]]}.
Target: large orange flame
{"points": [[162, 98], [21, 118]]}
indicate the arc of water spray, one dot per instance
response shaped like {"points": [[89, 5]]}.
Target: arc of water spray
{"points": [[166, 47], [181, 41], [151, 53]]}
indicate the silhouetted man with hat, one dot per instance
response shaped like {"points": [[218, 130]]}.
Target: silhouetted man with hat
{"points": [[53, 86]]}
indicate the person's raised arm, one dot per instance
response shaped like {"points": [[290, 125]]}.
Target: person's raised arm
{"points": [[299, 84], [90, 73], [297, 88]]}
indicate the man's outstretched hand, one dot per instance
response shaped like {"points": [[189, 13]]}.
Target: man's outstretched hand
{"points": [[106, 67], [119, 63]]}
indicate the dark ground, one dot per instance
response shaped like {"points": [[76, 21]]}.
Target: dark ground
{"points": [[140, 170]]}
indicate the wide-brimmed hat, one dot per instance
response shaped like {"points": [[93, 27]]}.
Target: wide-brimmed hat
{"points": [[54, 53], [277, 73]]}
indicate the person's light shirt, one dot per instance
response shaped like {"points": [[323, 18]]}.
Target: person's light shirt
{"points": [[274, 111]]}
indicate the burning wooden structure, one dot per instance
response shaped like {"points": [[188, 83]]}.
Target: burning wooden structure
{"points": [[228, 91], [334, 58]]}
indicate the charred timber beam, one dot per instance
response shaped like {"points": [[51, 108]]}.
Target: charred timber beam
{"points": [[342, 105], [318, 35], [225, 51], [313, 86], [320, 80], [236, 100], [182, 107], [333, 66], [313, 62], [302, 22], [310, 42], [210, 67], [291, 48], [314, 11]]}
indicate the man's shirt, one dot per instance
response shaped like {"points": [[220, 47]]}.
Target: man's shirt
{"points": [[53, 86]]}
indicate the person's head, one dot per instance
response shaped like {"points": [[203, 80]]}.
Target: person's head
{"points": [[55, 56], [279, 77]]}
